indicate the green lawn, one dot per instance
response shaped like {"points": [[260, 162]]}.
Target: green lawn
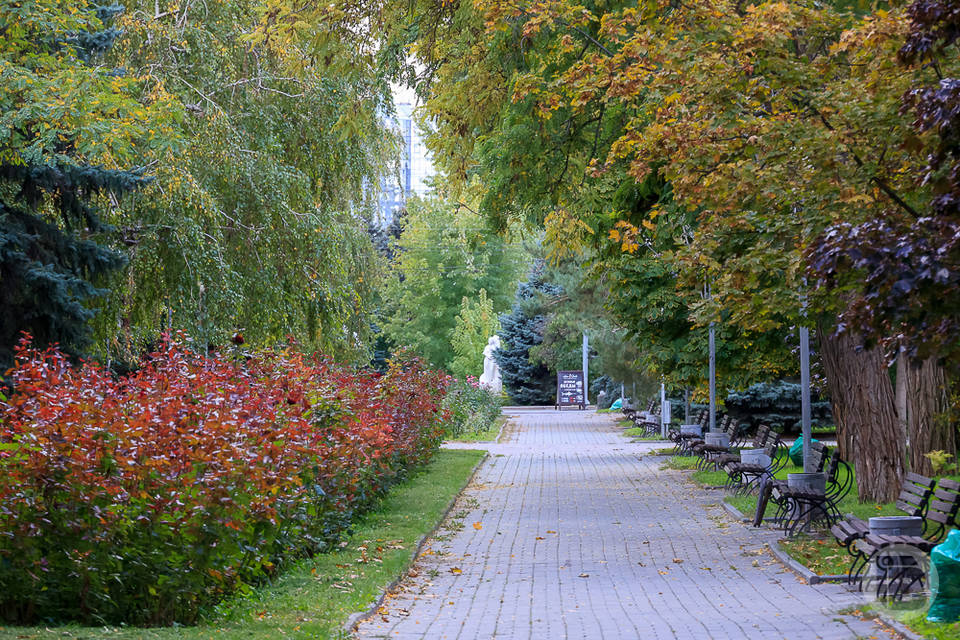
{"points": [[917, 622], [678, 463], [667, 451], [314, 598], [819, 552], [850, 504], [641, 434], [487, 435]]}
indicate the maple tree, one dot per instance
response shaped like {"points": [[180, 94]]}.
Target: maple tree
{"points": [[766, 123]]}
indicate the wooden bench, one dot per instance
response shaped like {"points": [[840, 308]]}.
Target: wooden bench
{"points": [[680, 438], [893, 555], [648, 420], [914, 497], [778, 491], [744, 478], [708, 454], [801, 508], [759, 442], [687, 441]]}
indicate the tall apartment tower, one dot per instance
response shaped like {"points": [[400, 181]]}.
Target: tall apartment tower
{"points": [[415, 165]]}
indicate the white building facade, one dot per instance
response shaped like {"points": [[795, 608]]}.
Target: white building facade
{"points": [[415, 164]]}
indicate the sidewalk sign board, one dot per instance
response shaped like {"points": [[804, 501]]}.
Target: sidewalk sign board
{"points": [[570, 390]]}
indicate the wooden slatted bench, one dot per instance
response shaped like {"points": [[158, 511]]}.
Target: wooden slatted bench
{"points": [[805, 507], [759, 442], [887, 551], [709, 453], [744, 478], [913, 499]]}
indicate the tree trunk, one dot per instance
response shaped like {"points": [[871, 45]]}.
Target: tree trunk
{"points": [[862, 399], [901, 391], [928, 426]]}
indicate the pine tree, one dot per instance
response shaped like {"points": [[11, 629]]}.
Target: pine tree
{"points": [[525, 382], [52, 248]]}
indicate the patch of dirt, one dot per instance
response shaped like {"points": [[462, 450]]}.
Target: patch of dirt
{"points": [[509, 431]]}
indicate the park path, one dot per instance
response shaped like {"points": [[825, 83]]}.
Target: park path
{"points": [[569, 531]]}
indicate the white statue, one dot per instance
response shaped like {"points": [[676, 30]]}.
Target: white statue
{"points": [[491, 370]]}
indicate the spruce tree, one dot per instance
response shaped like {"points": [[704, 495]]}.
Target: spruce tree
{"points": [[525, 382], [53, 250]]}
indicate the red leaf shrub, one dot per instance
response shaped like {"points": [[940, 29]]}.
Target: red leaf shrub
{"points": [[144, 499]]}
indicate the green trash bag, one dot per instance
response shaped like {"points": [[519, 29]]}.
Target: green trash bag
{"points": [[796, 451], [617, 404], [945, 594]]}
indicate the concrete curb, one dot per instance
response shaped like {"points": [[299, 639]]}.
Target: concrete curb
{"points": [[356, 618], [780, 554], [812, 578], [733, 512], [805, 573]]}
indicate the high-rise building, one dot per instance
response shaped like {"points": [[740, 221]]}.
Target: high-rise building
{"points": [[415, 164]]}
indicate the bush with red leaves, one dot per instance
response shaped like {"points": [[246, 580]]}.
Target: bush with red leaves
{"points": [[145, 499]]}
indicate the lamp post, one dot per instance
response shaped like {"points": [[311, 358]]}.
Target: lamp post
{"points": [[586, 364], [805, 397], [713, 379]]}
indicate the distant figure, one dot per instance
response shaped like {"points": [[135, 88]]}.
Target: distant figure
{"points": [[491, 370]]}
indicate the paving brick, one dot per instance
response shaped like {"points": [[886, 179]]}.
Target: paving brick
{"points": [[583, 536]]}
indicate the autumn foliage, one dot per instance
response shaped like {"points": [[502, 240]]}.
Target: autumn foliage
{"points": [[146, 498]]}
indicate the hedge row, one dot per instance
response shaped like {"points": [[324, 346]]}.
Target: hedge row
{"points": [[472, 407], [144, 499]]}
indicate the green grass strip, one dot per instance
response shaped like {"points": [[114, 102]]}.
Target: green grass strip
{"points": [[680, 463], [917, 622], [314, 597], [641, 434], [487, 435]]}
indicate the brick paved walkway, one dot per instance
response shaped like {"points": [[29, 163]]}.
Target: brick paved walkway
{"points": [[567, 533]]}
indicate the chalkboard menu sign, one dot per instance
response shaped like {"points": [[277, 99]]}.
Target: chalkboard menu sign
{"points": [[570, 389]]}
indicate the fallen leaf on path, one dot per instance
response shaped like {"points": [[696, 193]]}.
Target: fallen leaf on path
{"points": [[584, 575], [678, 561], [456, 571], [477, 526]]}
